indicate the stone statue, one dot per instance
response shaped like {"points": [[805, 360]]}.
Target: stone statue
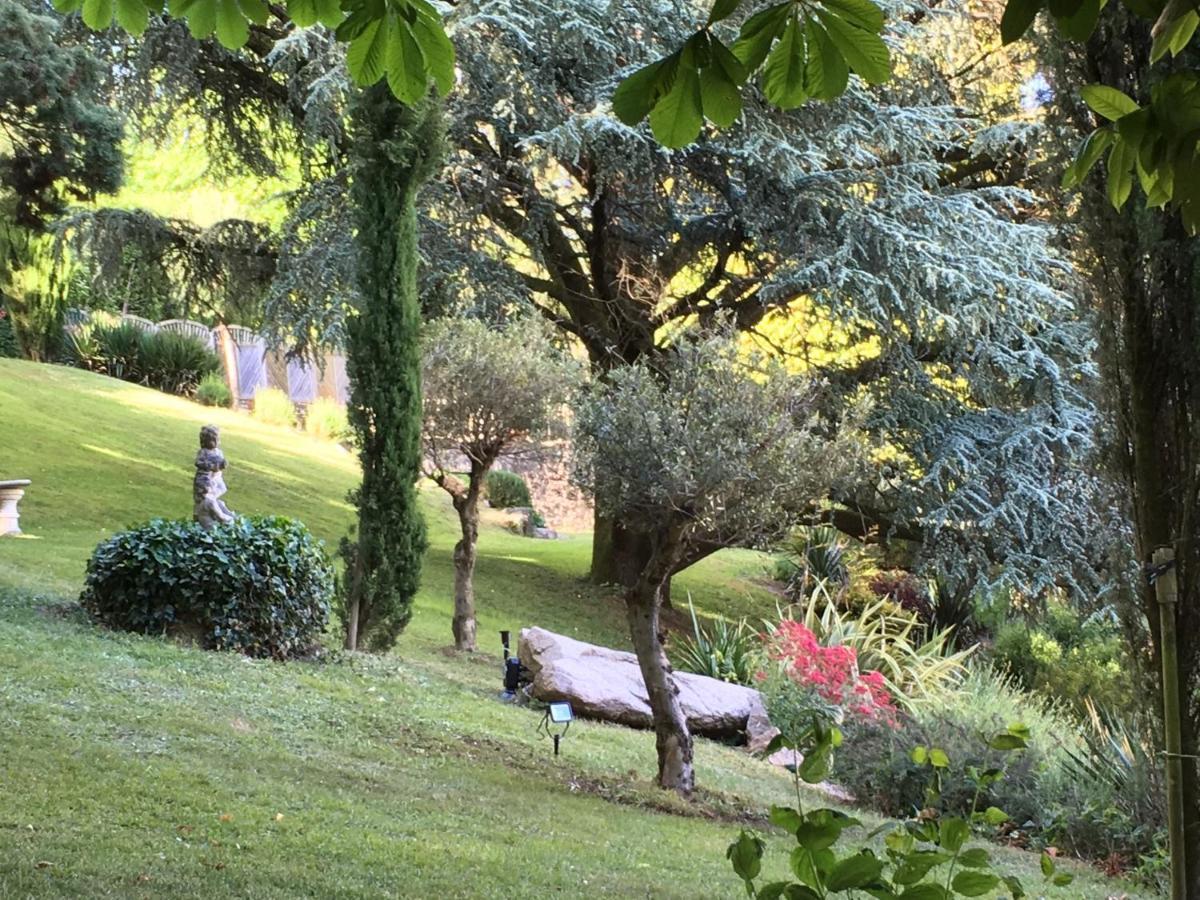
{"points": [[209, 484]]}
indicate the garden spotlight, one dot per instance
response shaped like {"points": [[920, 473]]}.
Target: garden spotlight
{"points": [[557, 713]]}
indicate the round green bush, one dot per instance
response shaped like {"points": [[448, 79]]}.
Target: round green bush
{"points": [[213, 391], [507, 489], [261, 586]]}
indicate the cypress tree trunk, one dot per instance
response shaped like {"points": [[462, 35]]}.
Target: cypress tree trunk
{"points": [[394, 151]]}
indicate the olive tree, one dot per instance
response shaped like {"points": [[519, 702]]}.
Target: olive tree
{"points": [[704, 444], [487, 392]]}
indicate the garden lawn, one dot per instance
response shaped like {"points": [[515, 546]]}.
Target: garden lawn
{"points": [[133, 767]]}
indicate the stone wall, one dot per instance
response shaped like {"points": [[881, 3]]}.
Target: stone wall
{"points": [[547, 473]]}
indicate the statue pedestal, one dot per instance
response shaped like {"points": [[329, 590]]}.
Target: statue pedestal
{"points": [[11, 493]]}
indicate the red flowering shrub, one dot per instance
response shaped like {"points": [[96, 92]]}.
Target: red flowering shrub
{"points": [[831, 673]]}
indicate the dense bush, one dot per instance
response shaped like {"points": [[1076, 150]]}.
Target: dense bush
{"points": [[274, 407], [8, 337], [1071, 788], [213, 391], [877, 767], [507, 489], [165, 360], [1113, 792], [905, 590], [1065, 654], [260, 586], [327, 419]]}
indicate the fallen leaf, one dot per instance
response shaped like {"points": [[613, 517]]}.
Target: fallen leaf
{"points": [[42, 864]]}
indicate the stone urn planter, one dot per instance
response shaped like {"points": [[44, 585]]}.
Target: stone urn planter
{"points": [[11, 493]]}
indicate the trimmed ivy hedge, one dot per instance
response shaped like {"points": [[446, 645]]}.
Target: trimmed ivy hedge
{"points": [[261, 586]]}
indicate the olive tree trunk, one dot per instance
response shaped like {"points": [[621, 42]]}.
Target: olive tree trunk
{"points": [[673, 740], [466, 504]]}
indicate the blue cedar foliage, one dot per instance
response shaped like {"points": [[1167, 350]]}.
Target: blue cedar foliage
{"points": [[978, 389]]}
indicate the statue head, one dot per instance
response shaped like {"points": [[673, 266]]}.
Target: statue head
{"points": [[210, 436]]}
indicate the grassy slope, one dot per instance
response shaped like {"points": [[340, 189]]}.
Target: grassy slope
{"points": [[132, 767]]}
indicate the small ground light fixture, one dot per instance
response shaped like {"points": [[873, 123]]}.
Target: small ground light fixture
{"points": [[558, 713], [514, 672]]}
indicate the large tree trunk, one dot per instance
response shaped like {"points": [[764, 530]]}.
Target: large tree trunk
{"points": [[467, 506], [1144, 268], [619, 554], [672, 738]]}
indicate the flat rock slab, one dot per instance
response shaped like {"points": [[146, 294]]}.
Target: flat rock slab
{"points": [[606, 684]]}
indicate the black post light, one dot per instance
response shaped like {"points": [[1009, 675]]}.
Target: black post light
{"points": [[557, 713]]}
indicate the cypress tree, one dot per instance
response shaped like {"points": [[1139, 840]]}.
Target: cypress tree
{"points": [[394, 150]]}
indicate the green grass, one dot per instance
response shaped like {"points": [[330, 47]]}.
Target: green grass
{"points": [[132, 767]]}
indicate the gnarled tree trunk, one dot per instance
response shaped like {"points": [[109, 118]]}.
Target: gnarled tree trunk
{"points": [[672, 737], [466, 503], [467, 506]]}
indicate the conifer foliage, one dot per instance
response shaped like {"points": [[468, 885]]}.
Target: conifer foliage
{"points": [[396, 149]]}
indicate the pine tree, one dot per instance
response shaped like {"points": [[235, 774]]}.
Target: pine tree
{"points": [[395, 149]]}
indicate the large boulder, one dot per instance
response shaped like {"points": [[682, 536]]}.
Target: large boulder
{"points": [[606, 684]]}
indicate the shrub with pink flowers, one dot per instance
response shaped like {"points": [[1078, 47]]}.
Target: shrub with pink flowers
{"points": [[829, 674]]}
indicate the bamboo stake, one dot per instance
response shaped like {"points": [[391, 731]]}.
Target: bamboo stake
{"points": [[1165, 592]]}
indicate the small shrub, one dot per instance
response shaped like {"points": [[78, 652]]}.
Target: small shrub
{"points": [[213, 391], [507, 489], [117, 350], [273, 407], [877, 768], [173, 362], [260, 586], [1110, 798], [953, 608], [905, 590], [1065, 654], [8, 337], [327, 419], [729, 652], [926, 855]]}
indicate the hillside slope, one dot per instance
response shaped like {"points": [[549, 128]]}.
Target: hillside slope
{"points": [[132, 767]]}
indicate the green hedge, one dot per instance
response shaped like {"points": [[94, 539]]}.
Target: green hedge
{"points": [[507, 489], [261, 586]]}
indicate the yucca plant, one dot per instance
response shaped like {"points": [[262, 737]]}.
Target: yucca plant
{"points": [[173, 362], [83, 348], [917, 668], [119, 347], [1114, 753], [816, 555], [727, 651]]}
